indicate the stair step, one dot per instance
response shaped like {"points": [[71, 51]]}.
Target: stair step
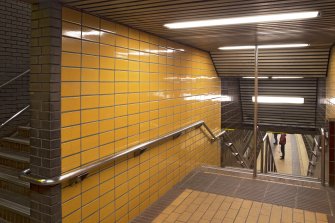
{"points": [[288, 179], [23, 131], [19, 140], [11, 175], [13, 155], [15, 203]]}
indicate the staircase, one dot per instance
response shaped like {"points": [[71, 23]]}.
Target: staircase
{"points": [[14, 193]]}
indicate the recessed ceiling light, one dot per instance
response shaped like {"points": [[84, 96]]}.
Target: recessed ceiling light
{"points": [[278, 100], [254, 77], [244, 20], [273, 46], [288, 77]]}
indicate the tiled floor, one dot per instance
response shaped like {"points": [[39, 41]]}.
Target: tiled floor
{"points": [[212, 197]]}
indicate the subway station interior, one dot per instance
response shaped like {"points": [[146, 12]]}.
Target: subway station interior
{"points": [[167, 111]]}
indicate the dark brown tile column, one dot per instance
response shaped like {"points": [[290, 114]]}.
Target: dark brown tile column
{"points": [[45, 108], [332, 153]]}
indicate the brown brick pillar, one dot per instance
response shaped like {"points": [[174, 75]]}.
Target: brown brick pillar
{"points": [[45, 108], [332, 153]]}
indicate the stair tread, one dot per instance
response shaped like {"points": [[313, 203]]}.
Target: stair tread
{"points": [[15, 202], [16, 139], [12, 175], [24, 127], [13, 155]]}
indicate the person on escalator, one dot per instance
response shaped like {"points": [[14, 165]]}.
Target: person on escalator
{"points": [[282, 142]]}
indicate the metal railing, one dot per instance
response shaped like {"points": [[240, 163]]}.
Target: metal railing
{"points": [[81, 173], [13, 79], [14, 116], [267, 160], [20, 111], [319, 149]]}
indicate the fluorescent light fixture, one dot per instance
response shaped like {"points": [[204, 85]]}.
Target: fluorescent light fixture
{"points": [[273, 46], [278, 100], [244, 20], [286, 77], [283, 46], [254, 77], [237, 48]]}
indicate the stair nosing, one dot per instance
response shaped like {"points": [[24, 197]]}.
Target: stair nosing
{"points": [[15, 207], [17, 140], [14, 180], [7, 154]]}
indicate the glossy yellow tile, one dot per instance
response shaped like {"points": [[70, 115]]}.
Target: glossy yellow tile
{"points": [[90, 34], [71, 30], [71, 45], [70, 148], [107, 50], [71, 15], [70, 133], [89, 88], [121, 87], [89, 115], [89, 142], [89, 129], [107, 63], [71, 60], [106, 113], [89, 61], [90, 21], [70, 118], [108, 26], [121, 41], [70, 74], [90, 48], [89, 102], [90, 155], [89, 74], [70, 162], [106, 75]]}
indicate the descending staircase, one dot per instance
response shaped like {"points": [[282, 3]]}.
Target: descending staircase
{"points": [[14, 193]]}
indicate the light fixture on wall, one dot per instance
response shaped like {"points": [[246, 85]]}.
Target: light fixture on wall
{"points": [[278, 100], [272, 46], [244, 20]]}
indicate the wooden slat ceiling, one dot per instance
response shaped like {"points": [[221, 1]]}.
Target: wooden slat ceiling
{"points": [[151, 15]]}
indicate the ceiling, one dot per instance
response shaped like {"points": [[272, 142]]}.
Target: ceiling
{"points": [[151, 15]]}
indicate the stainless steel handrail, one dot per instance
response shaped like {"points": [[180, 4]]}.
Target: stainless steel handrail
{"points": [[323, 157], [14, 116], [13, 79], [79, 174]]}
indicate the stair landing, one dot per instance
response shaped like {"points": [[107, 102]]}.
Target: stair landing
{"points": [[208, 196]]}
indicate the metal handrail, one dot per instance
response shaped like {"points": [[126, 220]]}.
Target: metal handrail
{"points": [[81, 173], [14, 116], [13, 79]]}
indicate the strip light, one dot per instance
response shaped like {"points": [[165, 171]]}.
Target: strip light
{"points": [[254, 77], [287, 77], [244, 20], [278, 100], [294, 45]]}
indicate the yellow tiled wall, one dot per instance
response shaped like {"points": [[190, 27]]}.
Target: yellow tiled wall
{"points": [[121, 87], [330, 86]]}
